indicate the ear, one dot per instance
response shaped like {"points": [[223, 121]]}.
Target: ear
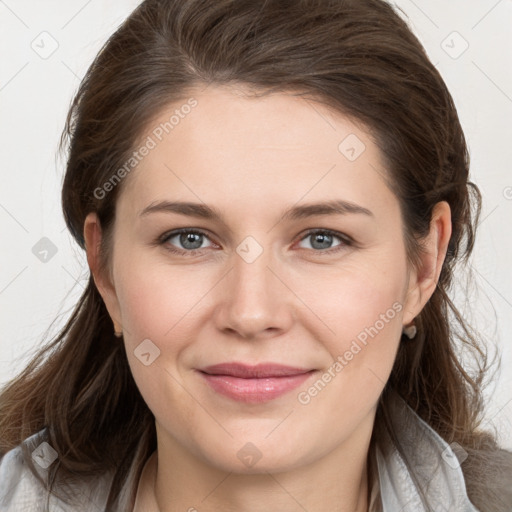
{"points": [[423, 280], [103, 282]]}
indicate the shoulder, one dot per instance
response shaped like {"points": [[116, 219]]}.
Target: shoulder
{"points": [[471, 479], [417, 467], [24, 481], [20, 489]]}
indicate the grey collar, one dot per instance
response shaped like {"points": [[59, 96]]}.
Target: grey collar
{"points": [[427, 465]]}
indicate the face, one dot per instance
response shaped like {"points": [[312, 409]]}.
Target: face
{"points": [[259, 276]]}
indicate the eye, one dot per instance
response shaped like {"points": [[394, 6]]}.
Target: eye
{"points": [[187, 240], [321, 240]]}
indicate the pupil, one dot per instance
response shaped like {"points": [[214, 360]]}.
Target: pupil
{"points": [[324, 241], [189, 238]]}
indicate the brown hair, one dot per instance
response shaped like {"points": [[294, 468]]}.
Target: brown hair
{"points": [[358, 57]]}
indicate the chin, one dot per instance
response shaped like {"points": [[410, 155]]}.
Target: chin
{"points": [[247, 457]]}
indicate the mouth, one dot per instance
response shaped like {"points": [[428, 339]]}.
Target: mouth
{"points": [[254, 384]]}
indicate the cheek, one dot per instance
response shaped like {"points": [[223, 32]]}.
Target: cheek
{"points": [[363, 308], [156, 300], [359, 310], [159, 303]]}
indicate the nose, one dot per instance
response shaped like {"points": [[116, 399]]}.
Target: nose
{"points": [[254, 301]]}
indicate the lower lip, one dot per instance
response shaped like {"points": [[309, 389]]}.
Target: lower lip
{"points": [[254, 391]]}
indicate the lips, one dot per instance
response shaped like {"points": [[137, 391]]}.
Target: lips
{"points": [[263, 370], [254, 384]]}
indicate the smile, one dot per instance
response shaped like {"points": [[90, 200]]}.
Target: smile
{"points": [[254, 384]]}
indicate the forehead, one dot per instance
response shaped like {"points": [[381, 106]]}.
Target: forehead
{"points": [[222, 145]]}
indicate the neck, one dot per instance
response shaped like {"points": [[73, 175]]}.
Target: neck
{"points": [[176, 480]]}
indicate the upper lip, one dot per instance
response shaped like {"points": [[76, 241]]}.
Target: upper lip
{"points": [[246, 371]]}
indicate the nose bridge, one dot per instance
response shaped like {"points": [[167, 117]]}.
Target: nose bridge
{"points": [[254, 301]]}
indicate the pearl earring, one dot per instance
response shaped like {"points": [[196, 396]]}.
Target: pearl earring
{"points": [[118, 333], [410, 330]]}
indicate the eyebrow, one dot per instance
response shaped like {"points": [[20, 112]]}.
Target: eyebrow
{"points": [[203, 211]]}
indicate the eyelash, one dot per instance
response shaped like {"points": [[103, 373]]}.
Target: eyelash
{"points": [[346, 241]]}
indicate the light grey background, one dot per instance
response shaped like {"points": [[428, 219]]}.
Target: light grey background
{"points": [[46, 47]]}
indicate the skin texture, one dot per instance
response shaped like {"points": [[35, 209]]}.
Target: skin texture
{"points": [[295, 304]]}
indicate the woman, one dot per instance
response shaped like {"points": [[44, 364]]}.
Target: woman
{"points": [[272, 198]]}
